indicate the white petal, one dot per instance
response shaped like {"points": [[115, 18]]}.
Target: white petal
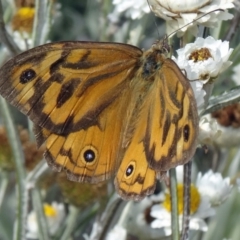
{"points": [[236, 74], [208, 130], [186, 11], [198, 224], [118, 232], [213, 186]]}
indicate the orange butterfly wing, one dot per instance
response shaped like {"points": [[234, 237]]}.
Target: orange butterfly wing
{"points": [[87, 155], [172, 128], [163, 125], [73, 92], [68, 84]]}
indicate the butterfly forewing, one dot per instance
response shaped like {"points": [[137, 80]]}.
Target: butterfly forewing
{"points": [[64, 86]]}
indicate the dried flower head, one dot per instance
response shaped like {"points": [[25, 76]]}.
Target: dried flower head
{"points": [[32, 153], [228, 116], [178, 13]]}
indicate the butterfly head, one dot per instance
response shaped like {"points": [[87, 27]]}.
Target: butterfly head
{"points": [[154, 57], [162, 46]]}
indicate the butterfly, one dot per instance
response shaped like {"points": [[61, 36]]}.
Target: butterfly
{"points": [[106, 109]]}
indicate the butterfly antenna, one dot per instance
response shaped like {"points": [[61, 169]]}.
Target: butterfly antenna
{"points": [[194, 20]]}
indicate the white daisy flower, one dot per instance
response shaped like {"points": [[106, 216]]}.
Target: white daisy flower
{"points": [[213, 186], [204, 59], [54, 213], [131, 9], [200, 209], [178, 13], [118, 232], [163, 221], [209, 130], [139, 219]]}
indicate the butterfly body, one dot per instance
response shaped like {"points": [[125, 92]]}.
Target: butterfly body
{"points": [[105, 108]]}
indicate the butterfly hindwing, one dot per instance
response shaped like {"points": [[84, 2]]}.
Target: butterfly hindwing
{"points": [[172, 124], [135, 179]]}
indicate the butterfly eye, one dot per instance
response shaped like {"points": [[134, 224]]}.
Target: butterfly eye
{"points": [[27, 76], [130, 169], [89, 154], [186, 132]]}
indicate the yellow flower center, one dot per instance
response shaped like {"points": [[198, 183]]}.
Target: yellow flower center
{"points": [[23, 19], [200, 55], [195, 199], [49, 210], [26, 13]]}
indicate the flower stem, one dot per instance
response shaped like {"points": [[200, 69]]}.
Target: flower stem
{"points": [[110, 214], [3, 186], [174, 205], [19, 160], [4, 36], [186, 200], [39, 22], [74, 212], [41, 219]]}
